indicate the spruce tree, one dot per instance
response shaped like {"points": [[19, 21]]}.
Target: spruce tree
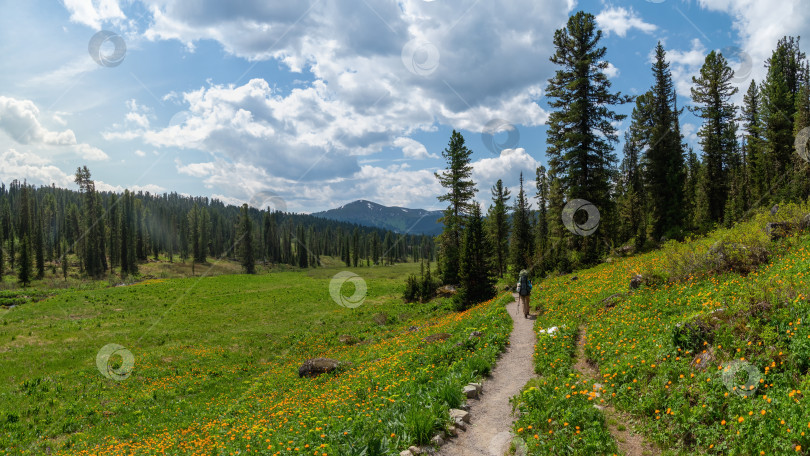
{"points": [[499, 225], [751, 122], [456, 178], [581, 126], [663, 156], [522, 242], [475, 271], [712, 93], [245, 238], [541, 236], [24, 263]]}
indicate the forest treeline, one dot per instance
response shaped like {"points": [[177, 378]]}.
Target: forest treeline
{"points": [[661, 188], [106, 233]]}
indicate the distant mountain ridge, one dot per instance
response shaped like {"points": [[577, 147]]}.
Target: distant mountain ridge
{"points": [[398, 219]]}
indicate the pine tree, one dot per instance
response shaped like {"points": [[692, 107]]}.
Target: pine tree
{"points": [[784, 79], [751, 119], [245, 238], [541, 237], [663, 156], [521, 245], [24, 263], [581, 127], [475, 274], [499, 225], [712, 93], [39, 253], [456, 178]]}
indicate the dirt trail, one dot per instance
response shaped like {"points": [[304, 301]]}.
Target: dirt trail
{"points": [[618, 423], [491, 416]]}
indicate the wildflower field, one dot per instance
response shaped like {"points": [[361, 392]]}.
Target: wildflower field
{"points": [[709, 355], [216, 367]]}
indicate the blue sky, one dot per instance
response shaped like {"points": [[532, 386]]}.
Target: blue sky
{"points": [[322, 102]]}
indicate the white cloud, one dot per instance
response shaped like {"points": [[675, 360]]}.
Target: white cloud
{"points": [[151, 188], [507, 166], [684, 64], [611, 71], [761, 24], [31, 167], [19, 119], [140, 153], [620, 20], [93, 12], [412, 148]]}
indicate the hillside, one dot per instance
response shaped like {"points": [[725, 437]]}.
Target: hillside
{"points": [[708, 355], [397, 219]]}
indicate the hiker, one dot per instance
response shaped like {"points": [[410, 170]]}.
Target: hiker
{"points": [[524, 289]]}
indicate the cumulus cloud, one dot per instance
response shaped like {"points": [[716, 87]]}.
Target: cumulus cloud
{"points": [[684, 64], [93, 12], [412, 148], [761, 24], [620, 20], [31, 167], [19, 119]]}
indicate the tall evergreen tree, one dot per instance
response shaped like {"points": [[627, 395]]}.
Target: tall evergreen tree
{"points": [[541, 236], [521, 245], [663, 157], [712, 93], [475, 273], [457, 179], [24, 263], [581, 126], [245, 238], [783, 81], [499, 225]]}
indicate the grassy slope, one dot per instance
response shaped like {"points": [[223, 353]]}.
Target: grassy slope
{"points": [[683, 405], [216, 367]]}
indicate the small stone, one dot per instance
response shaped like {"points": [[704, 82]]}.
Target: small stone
{"points": [[477, 386], [598, 407], [636, 281], [437, 440], [452, 431], [405, 453], [465, 407], [462, 415], [475, 334], [414, 450], [460, 425], [470, 392]]}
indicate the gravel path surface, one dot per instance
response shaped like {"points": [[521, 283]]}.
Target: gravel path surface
{"points": [[491, 416]]}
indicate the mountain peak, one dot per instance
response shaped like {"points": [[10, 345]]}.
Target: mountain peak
{"points": [[394, 218]]}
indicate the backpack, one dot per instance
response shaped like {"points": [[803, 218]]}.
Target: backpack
{"points": [[525, 288]]}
